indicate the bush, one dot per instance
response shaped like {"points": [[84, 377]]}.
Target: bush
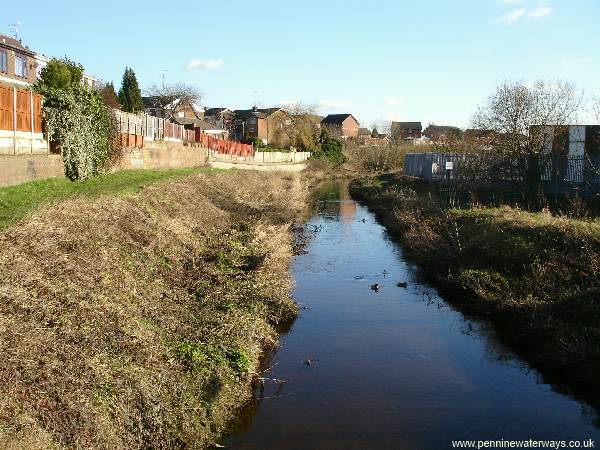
{"points": [[77, 119], [329, 149]]}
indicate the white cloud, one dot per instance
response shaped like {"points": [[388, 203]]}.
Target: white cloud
{"points": [[575, 62], [511, 17], [335, 104], [201, 64], [288, 102], [392, 101], [539, 12]]}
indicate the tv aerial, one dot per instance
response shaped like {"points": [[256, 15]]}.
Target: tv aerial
{"points": [[14, 28]]}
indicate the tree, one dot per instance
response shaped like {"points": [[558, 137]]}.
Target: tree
{"points": [[107, 91], [163, 96], [596, 108], [520, 116], [298, 127], [60, 74], [77, 120], [130, 96]]}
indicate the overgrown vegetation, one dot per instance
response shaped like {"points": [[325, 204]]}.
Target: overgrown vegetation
{"points": [[379, 159], [77, 120], [138, 321], [535, 275], [329, 149], [17, 202]]}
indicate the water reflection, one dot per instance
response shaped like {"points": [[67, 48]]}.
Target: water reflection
{"points": [[397, 368]]}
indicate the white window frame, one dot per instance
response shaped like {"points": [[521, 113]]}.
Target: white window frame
{"points": [[3, 61], [23, 61]]}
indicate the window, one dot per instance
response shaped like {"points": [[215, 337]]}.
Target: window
{"points": [[20, 66], [3, 61]]}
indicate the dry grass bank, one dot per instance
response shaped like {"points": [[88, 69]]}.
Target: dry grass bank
{"points": [[536, 276], [138, 321]]}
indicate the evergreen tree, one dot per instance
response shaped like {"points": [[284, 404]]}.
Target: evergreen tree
{"points": [[130, 96], [109, 96]]}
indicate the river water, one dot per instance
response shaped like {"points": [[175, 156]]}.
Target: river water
{"points": [[394, 369]]}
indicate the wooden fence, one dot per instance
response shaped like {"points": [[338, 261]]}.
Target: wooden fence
{"points": [[20, 110], [224, 147]]}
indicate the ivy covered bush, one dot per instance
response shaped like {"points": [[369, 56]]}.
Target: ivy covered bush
{"points": [[77, 120]]}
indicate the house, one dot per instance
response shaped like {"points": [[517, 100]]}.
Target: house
{"points": [[401, 131], [222, 117], [364, 132], [442, 132], [202, 126], [265, 124], [341, 125], [168, 108], [17, 63], [570, 140]]}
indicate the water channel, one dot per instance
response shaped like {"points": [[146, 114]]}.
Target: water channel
{"points": [[397, 368]]}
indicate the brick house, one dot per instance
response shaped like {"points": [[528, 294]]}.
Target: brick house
{"points": [[262, 123], [442, 132], [176, 107], [221, 117], [341, 125], [401, 131], [17, 63]]}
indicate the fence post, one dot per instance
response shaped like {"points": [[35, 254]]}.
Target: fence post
{"points": [[31, 116], [14, 120]]}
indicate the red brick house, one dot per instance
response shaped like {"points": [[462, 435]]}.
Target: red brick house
{"points": [[169, 108], [17, 63], [442, 132], [261, 123], [341, 125], [401, 131]]}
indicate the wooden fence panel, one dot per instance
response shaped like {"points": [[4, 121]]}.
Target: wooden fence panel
{"points": [[23, 111], [37, 113], [6, 108]]}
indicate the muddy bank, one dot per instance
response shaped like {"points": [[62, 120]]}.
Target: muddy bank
{"points": [[534, 275], [139, 321]]}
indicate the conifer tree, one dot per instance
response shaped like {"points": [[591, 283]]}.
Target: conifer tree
{"points": [[130, 96]]}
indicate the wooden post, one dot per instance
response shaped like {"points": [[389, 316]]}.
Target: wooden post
{"points": [[31, 116], [14, 120]]}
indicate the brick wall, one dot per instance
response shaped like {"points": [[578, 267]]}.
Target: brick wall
{"points": [[17, 169]]}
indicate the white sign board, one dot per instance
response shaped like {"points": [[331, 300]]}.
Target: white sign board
{"points": [[449, 165]]}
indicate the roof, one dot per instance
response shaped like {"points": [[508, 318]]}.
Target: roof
{"points": [[364, 131], [441, 128], [197, 123], [261, 113], [407, 125], [214, 111], [336, 119], [14, 44]]}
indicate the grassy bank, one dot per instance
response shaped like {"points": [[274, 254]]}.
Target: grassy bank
{"points": [[536, 276], [138, 321], [18, 201]]}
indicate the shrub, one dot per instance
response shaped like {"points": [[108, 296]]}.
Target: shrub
{"points": [[77, 119], [330, 149]]}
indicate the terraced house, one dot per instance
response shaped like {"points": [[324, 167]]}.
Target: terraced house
{"points": [[17, 63], [20, 108]]}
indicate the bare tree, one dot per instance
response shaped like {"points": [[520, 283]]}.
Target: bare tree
{"points": [[163, 96], [521, 118], [516, 107], [298, 126], [596, 108]]}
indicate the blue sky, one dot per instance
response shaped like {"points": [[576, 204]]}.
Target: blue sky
{"points": [[426, 60]]}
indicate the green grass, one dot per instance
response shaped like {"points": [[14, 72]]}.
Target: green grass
{"points": [[18, 201]]}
